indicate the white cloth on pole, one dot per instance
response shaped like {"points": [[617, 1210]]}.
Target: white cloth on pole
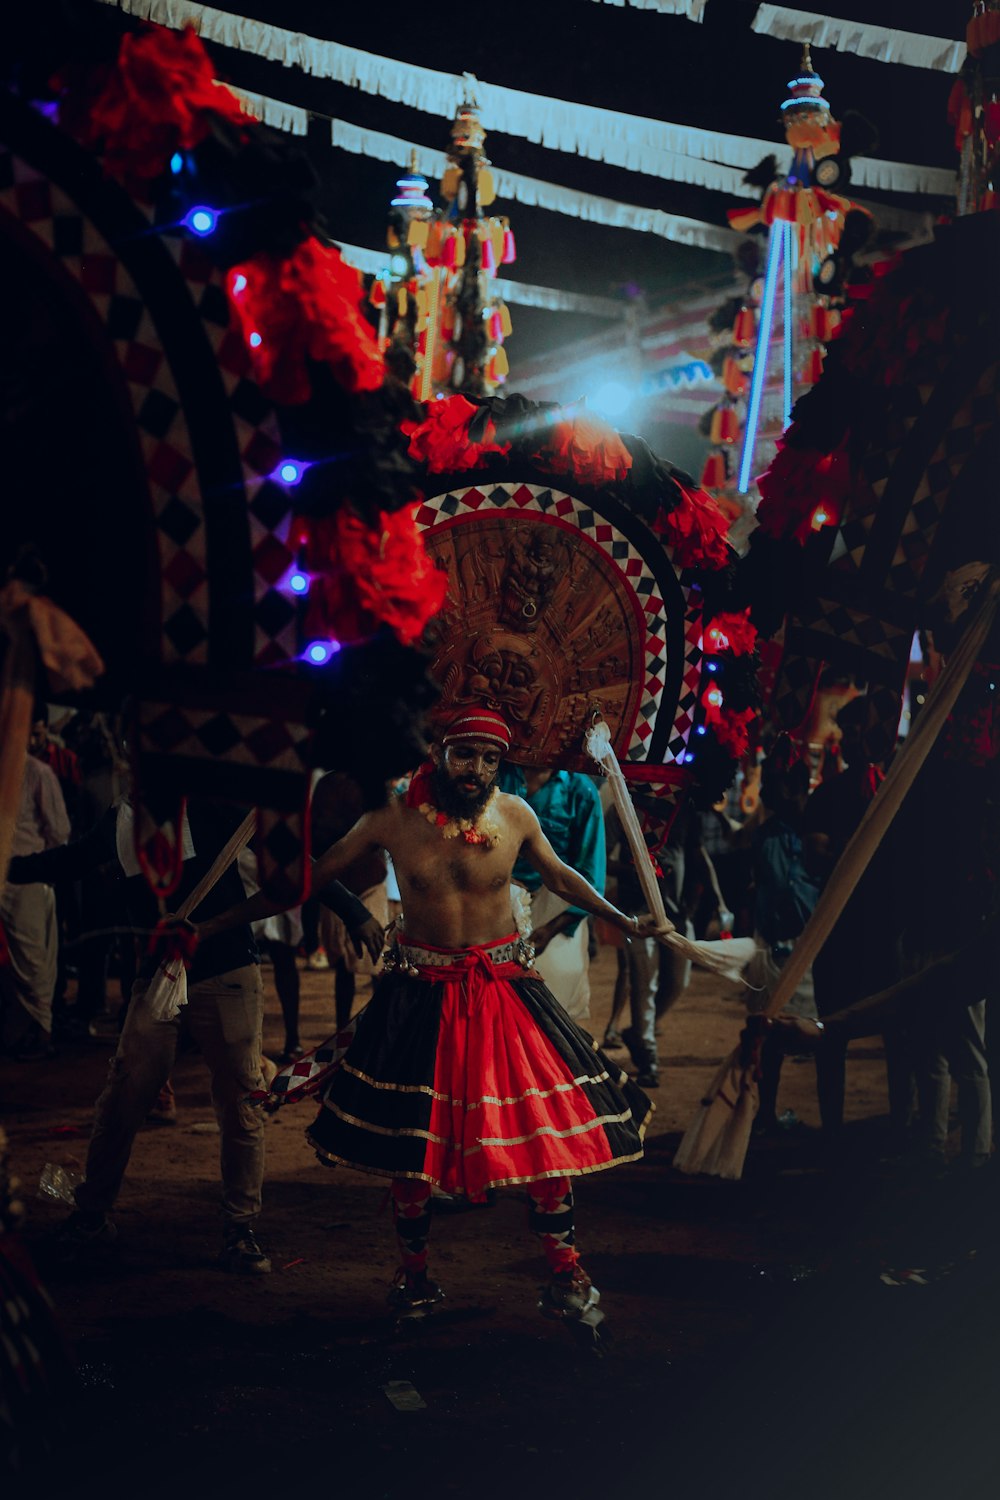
{"points": [[564, 963]]}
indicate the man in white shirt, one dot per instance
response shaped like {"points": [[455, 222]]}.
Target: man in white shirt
{"points": [[28, 915]]}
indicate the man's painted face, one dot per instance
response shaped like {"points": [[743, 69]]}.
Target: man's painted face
{"points": [[464, 772]]}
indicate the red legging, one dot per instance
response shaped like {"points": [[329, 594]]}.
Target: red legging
{"points": [[550, 1216]]}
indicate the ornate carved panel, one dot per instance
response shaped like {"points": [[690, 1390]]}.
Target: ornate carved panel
{"points": [[553, 614]]}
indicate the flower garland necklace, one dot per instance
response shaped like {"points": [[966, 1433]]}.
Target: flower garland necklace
{"points": [[484, 828]]}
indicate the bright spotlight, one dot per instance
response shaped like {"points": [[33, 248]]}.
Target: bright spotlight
{"points": [[611, 399]]}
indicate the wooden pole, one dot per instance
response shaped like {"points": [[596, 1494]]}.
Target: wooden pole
{"points": [[885, 804], [717, 1138]]}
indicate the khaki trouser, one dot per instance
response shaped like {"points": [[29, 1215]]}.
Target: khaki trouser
{"points": [[28, 913], [224, 1016]]}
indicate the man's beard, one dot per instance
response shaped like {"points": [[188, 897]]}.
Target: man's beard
{"points": [[457, 804]]}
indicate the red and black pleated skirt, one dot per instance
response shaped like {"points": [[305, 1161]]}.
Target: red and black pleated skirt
{"points": [[467, 1073]]}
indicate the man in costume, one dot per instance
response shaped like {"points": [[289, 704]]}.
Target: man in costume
{"points": [[223, 1014], [465, 1073]]}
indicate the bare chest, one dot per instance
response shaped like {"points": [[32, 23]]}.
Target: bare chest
{"points": [[432, 864]]}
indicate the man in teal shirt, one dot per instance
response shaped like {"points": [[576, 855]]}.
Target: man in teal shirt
{"points": [[568, 806]]}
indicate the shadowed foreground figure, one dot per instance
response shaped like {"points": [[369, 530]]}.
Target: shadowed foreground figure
{"points": [[465, 1073]]}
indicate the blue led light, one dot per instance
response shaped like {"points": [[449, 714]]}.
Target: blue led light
{"points": [[255, 341], [290, 471], [711, 666], [774, 250], [808, 101], [201, 221], [699, 729], [239, 283], [299, 583], [788, 338], [176, 163], [319, 652]]}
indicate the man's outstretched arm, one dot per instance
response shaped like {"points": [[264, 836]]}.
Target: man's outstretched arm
{"points": [[365, 836], [565, 882]]}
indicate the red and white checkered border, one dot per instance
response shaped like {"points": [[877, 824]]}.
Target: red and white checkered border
{"points": [[567, 508]]}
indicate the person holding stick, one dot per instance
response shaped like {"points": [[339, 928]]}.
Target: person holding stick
{"points": [[223, 1014], [465, 1073]]}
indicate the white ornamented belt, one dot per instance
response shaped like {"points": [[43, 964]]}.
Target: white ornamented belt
{"points": [[409, 958]]}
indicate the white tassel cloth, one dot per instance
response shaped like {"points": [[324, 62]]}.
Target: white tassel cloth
{"points": [[726, 959]]}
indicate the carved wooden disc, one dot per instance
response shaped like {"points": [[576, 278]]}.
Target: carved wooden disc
{"points": [[540, 624]]}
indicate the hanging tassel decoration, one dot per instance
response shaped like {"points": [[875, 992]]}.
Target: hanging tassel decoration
{"points": [[733, 378], [489, 263], [814, 367], [713, 475], [496, 236], [745, 327], [725, 425]]}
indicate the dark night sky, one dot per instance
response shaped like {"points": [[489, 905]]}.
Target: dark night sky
{"points": [[716, 75]]}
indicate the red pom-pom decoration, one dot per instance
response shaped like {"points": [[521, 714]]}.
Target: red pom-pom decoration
{"points": [[363, 577], [730, 632], [695, 531], [588, 449], [800, 485], [732, 730], [441, 440], [157, 100], [305, 305]]}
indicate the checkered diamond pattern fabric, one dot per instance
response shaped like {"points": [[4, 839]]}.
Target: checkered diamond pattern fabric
{"points": [[239, 756], [48, 211], [868, 610]]}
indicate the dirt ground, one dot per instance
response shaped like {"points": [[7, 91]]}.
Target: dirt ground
{"points": [[756, 1350]]}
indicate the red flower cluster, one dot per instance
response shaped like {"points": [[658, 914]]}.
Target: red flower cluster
{"points": [[586, 448], [695, 531], [731, 632], [732, 730], [803, 491], [156, 101], [441, 440], [304, 306], [366, 578]]}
